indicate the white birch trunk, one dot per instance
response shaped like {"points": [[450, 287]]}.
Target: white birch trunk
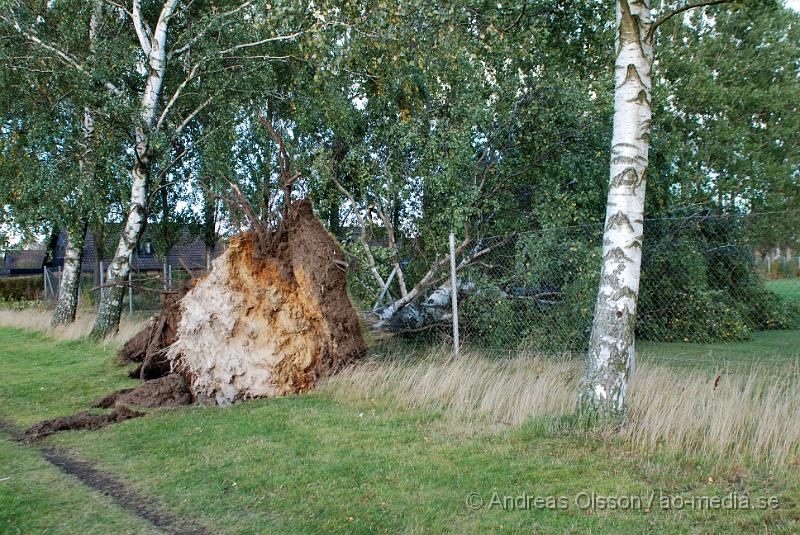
{"points": [[611, 353], [155, 47], [67, 305]]}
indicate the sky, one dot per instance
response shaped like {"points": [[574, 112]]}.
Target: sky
{"points": [[794, 4]]}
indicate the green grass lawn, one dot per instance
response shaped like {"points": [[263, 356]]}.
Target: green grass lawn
{"points": [[774, 349], [788, 289], [310, 464]]}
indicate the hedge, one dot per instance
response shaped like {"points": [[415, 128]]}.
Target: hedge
{"points": [[21, 288]]}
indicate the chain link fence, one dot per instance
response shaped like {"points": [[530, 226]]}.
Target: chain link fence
{"points": [[143, 289], [705, 279]]}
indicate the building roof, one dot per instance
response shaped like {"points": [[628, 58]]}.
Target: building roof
{"points": [[190, 250], [25, 259]]}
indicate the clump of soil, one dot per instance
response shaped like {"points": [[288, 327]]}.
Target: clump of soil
{"points": [[81, 420], [169, 391], [272, 317], [148, 345]]}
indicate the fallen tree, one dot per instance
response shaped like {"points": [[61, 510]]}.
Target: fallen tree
{"points": [[272, 317]]}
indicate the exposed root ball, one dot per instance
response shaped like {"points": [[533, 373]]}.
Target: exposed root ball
{"points": [[269, 321]]}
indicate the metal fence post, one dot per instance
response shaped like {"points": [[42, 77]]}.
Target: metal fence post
{"points": [[454, 295], [102, 281]]}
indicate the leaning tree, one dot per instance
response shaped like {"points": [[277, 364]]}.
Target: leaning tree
{"points": [[611, 354]]}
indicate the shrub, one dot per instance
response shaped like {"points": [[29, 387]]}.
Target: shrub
{"points": [[21, 288], [701, 284], [539, 299], [737, 276]]}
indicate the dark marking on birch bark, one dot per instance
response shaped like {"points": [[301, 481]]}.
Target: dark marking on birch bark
{"points": [[615, 149], [628, 160], [625, 291], [641, 98], [617, 255], [619, 220], [627, 178], [632, 75]]}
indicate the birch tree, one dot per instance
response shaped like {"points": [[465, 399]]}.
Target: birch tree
{"points": [[67, 304], [60, 140], [611, 355], [154, 47], [209, 42], [188, 56]]}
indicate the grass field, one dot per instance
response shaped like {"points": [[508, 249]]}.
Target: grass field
{"points": [[326, 463], [775, 349], [788, 289], [35, 497]]}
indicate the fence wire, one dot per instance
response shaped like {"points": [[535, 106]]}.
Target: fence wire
{"points": [[705, 279]]}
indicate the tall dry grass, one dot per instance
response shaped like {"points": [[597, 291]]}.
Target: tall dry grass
{"points": [[508, 391], [752, 418], [32, 319]]}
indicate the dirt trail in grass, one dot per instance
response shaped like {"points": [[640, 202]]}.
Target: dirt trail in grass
{"points": [[132, 501]]}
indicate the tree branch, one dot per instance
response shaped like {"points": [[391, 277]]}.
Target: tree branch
{"points": [[680, 10], [401, 279], [373, 266], [142, 33], [65, 58], [208, 25]]}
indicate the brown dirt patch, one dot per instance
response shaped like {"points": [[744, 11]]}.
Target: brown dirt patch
{"points": [[169, 391], [79, 421]]}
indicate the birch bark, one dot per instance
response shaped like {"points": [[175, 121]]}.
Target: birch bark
{"points": [[611, 354], [155, 48], [67, 305]]}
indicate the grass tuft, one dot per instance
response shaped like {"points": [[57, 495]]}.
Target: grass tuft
{"points": [[751, 418], [39, 320]]}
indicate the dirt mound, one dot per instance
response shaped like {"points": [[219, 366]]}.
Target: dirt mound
{"points": [[169, 391], [272, 317], [81, 420], [147, 346]]}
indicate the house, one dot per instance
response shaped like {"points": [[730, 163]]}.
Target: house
{"points": [[26, 262], [190, 251]]}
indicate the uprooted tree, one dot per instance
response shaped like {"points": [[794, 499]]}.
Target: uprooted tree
{"points": [[406, 312], [272, 317]]}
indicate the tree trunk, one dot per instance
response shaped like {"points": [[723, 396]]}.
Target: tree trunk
{"points": [[66, 308], [611, 353], [108, 313], [71, 277], [155, 48]]}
